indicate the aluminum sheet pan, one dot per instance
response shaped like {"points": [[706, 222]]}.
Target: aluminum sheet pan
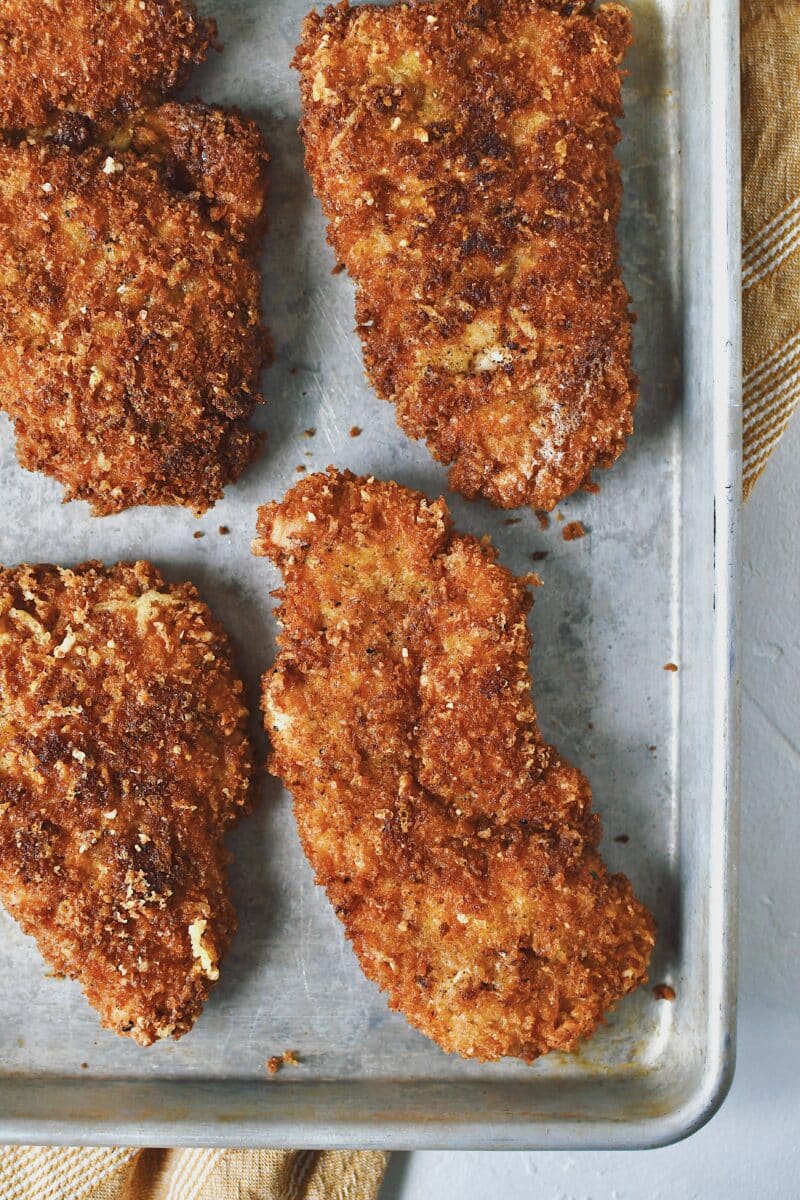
{"points": [[654, 581]]}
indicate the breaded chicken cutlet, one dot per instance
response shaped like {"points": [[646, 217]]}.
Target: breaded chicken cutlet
{"points": [[456, 846], [124, 758], [463, 152], [95, 59], [131, 342]]}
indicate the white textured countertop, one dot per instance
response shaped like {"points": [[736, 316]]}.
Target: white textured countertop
{"points": [[751, 1149]]}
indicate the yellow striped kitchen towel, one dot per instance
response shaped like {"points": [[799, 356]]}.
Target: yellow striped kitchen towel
{"points": [[51, 1173], [771, 225]]}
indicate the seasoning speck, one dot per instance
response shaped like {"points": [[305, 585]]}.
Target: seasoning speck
{"points": [[198, 533], [538, 555], [223, 529], [670, 666], [355, 431], [622, 837], [544, 520], [309, 433], [662, 991]]}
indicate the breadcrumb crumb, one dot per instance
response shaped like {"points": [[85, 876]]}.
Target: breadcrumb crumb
{"points": [[278, 1061]]}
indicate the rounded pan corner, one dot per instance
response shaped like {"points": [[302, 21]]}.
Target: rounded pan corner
{"points": [[702, 1100]]}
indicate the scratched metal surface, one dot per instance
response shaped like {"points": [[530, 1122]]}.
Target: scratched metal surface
{"points": [[616, 606]]}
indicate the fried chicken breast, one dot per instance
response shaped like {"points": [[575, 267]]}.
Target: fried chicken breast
{"points": [[457, 847], [463, 152], [94, 58], [131, 342], [124, 757]]}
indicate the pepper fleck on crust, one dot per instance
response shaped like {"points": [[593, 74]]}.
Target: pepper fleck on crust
{"points": [[463, 152], [124, 758], [131, 342], [94, 58], [456, 846]]}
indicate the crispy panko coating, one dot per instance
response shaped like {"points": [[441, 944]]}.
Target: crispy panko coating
{"points": [[463, 151], [131, 342], [457, 847], [124, 757], [94, 58], [215, 152]]}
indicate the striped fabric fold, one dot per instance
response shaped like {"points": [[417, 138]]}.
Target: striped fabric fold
{"points": [[55, 1173], [766, 250], [771, 225], [51, 1173]]}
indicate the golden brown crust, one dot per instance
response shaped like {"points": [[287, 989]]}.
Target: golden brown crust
{"points": [[84, 57], [463, 154], [124, 757], [131, 342], [215, 152], [457, 847]]}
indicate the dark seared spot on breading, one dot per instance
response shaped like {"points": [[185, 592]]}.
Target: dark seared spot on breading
{"points": [[464, 156]]}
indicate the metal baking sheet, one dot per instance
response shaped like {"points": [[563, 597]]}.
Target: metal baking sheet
{"points": [[653, 582]]}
